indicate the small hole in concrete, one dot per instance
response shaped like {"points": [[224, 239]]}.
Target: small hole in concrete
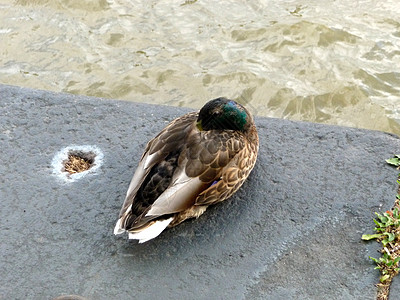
{"points": [[73, 162], [79, 161]]}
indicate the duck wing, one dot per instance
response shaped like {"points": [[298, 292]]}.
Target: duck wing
{"points": [[212, 166], [154, 173], [236, 163]]}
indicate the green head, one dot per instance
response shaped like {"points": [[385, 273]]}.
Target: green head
{"points": [[222, 113]]}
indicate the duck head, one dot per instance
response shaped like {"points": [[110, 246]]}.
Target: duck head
{"points": [[224, 114]]}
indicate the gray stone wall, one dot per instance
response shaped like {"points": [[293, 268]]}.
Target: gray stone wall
{"points": [[293, 231]]}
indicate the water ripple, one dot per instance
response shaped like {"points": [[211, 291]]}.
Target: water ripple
{"points": [[334, 62]]}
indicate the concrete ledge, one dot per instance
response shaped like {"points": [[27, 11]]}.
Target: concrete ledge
{"points": [[292, 232]]}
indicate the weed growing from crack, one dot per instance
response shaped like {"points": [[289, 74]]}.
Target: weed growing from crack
{"points": [[388, 233]]}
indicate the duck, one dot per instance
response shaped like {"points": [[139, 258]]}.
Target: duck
{"points": [[197, 160]]}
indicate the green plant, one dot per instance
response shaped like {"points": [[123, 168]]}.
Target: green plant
{"points": [[384, 222], [395, 161], [387, 265], [387, 228]]}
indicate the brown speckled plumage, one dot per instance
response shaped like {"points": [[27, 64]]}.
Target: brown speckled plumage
{"points": [[188, 167]]}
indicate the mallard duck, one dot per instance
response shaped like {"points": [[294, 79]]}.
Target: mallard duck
{"points": [[199, 159]]}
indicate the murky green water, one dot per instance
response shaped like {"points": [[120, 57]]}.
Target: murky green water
{"points": [[335, 62]]}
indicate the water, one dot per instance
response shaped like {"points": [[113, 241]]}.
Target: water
{"points": [[334, 62]]}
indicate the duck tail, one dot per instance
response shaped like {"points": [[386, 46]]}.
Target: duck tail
{"points": [[146, 233], [118, 227], [150, 232]]}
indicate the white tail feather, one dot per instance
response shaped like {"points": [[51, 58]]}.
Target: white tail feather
{"points": [[118, 229], [150, 232]]}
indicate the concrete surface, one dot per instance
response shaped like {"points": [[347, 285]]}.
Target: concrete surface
{"points": [[292, 232]]}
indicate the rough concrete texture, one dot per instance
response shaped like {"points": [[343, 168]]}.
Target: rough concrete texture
{"points": [[293, 231]]}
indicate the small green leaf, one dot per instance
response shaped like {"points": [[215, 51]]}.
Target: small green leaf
{"points": [[395, 161], [374, 259], [385, 277], [390, 235], [367, 237], [396, 211], [382, 218]]}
